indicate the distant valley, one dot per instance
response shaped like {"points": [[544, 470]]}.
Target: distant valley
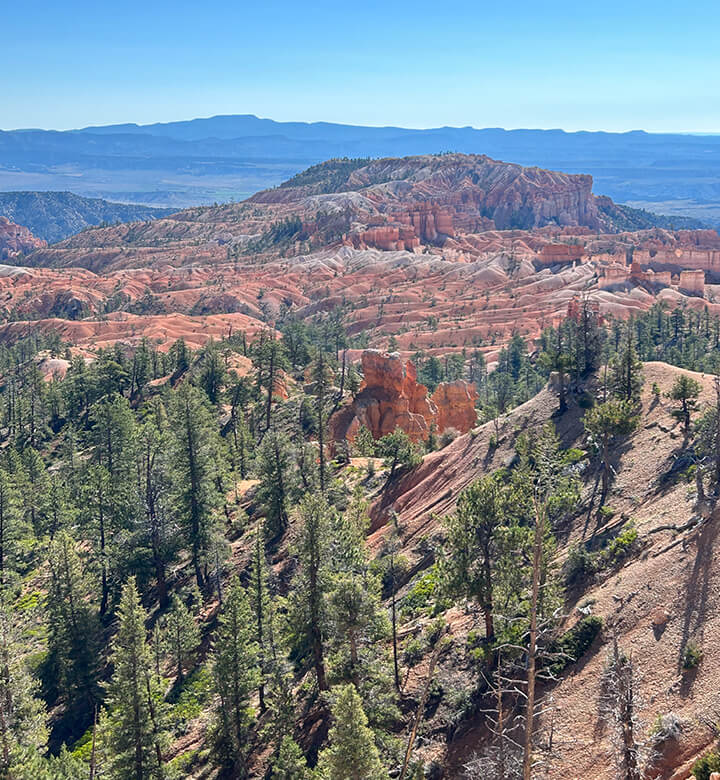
{"points": [[53, 216]]}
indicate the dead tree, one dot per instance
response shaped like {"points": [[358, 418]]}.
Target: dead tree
{"points": [[618, 708]]}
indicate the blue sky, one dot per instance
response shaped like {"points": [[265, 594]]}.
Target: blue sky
{"points": [[576, 65]]}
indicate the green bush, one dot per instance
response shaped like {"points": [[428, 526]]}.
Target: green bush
{"points": [[425, 595], [621, 546], [705, 766], [435, 630], [573, 455], [606, 513], [580, 563], [573, 644], [586, 401], [413, 652], [692, 656]]}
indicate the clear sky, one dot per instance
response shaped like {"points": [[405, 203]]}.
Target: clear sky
{"points": [[577, 65]]}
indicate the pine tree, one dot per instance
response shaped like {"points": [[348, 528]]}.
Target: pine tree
{"points": [[555, 358], [212, 374], [277, 481], [61, 508], [626, 375], [33, 484], [180, 355], [269, 358], [111, 435], [182, 636], [475, 545], [97, 503], [685, 390], [290, 763], [355, 612], [135, 733], [22, 716], [235, 675], [259, 598], [352, 753], [10, 526], [398, 451], [73, 631], [194, 442], [322, 376], [357, 619], [311, 583], [603, 424], [158, 532], [280, 698]]}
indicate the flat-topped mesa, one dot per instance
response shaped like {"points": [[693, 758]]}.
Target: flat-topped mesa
{"points": [[437, 196], [16, 240], [390, 397]]}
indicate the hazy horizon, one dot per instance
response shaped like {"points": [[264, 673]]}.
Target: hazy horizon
{"points": [[407, 64], [434, 126]]}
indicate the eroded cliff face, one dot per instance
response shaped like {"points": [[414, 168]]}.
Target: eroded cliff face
{"points": [[16, 240], [403, 203], [455, 403], [390, 397]]}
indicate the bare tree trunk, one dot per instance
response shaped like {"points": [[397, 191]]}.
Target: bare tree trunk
{"points": [[396, 667], [92, 749], [420, 709], [532, 650]]}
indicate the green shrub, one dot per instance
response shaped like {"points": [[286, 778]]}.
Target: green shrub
{"points": [[586, 401], [478, 649], [580, 563], [705, 766], [621, 546], [435, 630], [573, 455], [191, 700], [606, 513], [413, 652], [692, 656], [425, 594], [448, 436], [573, 644]]}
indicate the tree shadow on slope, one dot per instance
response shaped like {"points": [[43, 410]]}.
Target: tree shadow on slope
{"points": [[697, 588]]}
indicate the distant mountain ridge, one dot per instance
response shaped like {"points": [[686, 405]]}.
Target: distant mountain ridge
{"points": [[225, 158], [54, 216]]}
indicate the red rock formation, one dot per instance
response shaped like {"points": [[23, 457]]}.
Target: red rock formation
{"points": [[390, 397], [16, 240], [455, 402], [551, 254]]}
